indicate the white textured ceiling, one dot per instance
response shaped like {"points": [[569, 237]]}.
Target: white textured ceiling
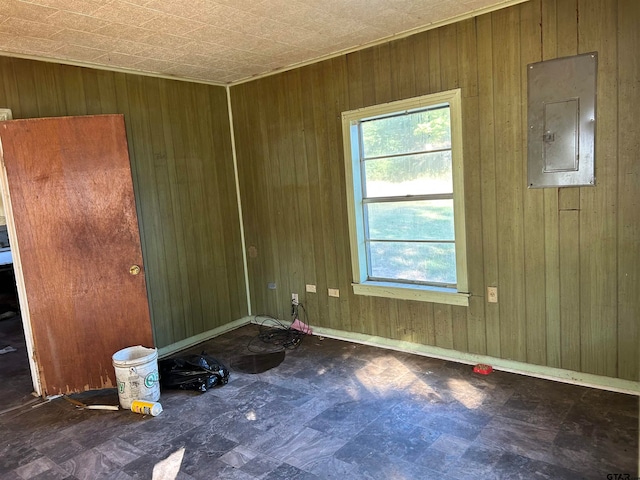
{"points": [[215, 41]]}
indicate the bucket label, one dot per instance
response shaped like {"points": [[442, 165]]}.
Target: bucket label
{"points": [[151, 379], [120, 386]]}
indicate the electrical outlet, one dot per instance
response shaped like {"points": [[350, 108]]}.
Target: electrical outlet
{"points": [[334, 292], [294, 299], [311, 288], [492, 294]]}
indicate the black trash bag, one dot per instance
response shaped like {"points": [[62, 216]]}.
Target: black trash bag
{"points": [[192, 372]]}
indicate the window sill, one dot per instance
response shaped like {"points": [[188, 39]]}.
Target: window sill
{"points": [[419, 293]]}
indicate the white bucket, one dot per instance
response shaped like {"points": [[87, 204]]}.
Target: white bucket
{"points": [[137, 375]]}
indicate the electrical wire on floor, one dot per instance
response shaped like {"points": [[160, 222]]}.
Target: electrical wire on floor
{"points": [[277, 334]]}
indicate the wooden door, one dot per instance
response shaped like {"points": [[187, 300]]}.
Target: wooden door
{"points": [[76, 236]]}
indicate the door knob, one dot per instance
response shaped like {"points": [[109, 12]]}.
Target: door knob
{"points": [[134, 269]]}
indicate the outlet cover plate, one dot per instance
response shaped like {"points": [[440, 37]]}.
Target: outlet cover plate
{"points": [[492, 294]]}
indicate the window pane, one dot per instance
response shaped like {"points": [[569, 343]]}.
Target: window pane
{"points": [[419, 220], [420, 262], [412, 132], [426, 173]]}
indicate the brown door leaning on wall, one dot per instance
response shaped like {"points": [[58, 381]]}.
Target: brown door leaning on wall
{"points": [[76, 232]]}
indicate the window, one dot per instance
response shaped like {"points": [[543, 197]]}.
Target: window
{"points": [[405, 199]]}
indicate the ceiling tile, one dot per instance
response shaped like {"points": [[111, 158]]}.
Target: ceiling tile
{"points": [[93, 40], [27, 45], [199, 9], [119, 60], [26, 11], [77, 52], [166, 40], [221, 36], [159, 53], [125, 32], [27, 28], [86, 7], [119, 11], [141, 3], [154, 65], [171, 25], [76, 21], [212, 40], [195, 59], [211, 50], [283, 10]]}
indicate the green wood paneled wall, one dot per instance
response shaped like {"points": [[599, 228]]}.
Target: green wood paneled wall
{"points": [[566, 261], [182, 168]]}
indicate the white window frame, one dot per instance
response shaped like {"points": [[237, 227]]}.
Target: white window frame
{"points": [[407, 291]]}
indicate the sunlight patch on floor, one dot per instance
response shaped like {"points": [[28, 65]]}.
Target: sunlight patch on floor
{"points": [[465, 393], [168, 468]]}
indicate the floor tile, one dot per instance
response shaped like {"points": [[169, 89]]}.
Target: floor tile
{"points": [[14, 455], [394, 439], [119, 452], [306, 448], [383, 467], [89, 465], [260, 466], [452, 424], [346, 419], [514, 466], [141, 468], [438, 460], [220, 471], [36, 467], [61, 449], [331, 468], [335, 410], [289, 472], [238, 456]]}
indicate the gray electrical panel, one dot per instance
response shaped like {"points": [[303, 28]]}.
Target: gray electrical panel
{"points": [[562, 121]]}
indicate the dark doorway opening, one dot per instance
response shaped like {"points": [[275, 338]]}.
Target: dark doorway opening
{"points": [[15, 374]]}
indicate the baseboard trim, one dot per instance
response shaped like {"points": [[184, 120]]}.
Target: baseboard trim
{"points": [[202, 337], [512, 366]]}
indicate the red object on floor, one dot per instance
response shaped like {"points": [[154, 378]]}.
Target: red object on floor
{"points": [[483, 369]]}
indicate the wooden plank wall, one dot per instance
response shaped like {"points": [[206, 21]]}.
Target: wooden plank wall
{"points": [[180, 152], [565, 260]]}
